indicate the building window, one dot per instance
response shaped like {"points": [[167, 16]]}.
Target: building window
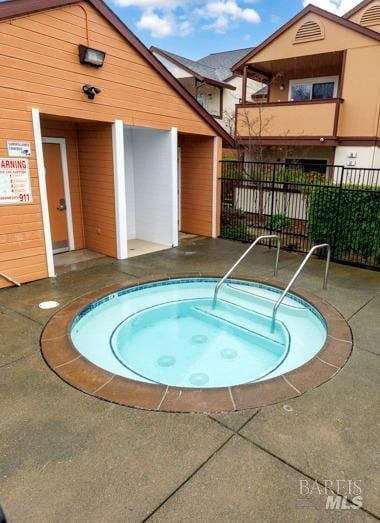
{"points": [[301, 92], [202, 99], [323, 90], [313, 89]]}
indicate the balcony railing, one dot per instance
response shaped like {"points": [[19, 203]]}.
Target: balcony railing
{"points": [[306, 119]]}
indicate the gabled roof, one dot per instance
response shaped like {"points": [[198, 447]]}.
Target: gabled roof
{"points": [[357, 8], [14, 8], [214, 68], [264, 91], [201, 72], [225, 60], [314, 10]]}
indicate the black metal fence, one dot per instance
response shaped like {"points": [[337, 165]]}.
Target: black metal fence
{"points": [[304, 205]]}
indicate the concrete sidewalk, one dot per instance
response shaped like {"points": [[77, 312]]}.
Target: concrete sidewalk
{"points": [[69, 457]]}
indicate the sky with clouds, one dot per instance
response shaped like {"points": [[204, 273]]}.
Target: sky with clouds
{"points": [[194, 28]]}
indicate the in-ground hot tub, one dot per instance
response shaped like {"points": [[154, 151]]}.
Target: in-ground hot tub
{"points": [[168, 339]]}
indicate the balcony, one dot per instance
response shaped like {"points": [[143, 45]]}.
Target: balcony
{"points": [[276, 122]]}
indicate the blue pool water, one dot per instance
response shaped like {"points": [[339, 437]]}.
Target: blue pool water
{"points": [[170, 333]]}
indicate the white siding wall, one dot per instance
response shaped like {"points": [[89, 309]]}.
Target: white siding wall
{"points": [[292, 205], [176, 71], [209, 98], [366, 157], [149, 185], [129, 184]]}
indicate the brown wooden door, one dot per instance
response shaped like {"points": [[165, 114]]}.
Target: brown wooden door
{"points": [[56, 196]]}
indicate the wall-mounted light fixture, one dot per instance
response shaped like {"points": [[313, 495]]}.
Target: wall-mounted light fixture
{"points": [[90, 56], [282, 87], [90, 91]]}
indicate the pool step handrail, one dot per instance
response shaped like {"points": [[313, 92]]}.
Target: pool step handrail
{"points": [[272, 236], [298, 272], [8, 278]]}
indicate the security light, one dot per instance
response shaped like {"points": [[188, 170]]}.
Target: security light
{"points": [[90, 56]]}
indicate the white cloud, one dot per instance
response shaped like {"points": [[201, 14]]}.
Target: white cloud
{"points": [[338, 7], [149, 4], [222, 13], [159, 26], [179, 17]]}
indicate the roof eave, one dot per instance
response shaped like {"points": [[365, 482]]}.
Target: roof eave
{"points": [[308, 9], [186, 68]]}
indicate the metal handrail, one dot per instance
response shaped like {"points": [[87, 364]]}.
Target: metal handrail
{"points": [[220, 283], [11, 280], [298, 272]]}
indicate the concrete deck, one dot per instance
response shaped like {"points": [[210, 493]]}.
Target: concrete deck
{"points": [[66, 456]]}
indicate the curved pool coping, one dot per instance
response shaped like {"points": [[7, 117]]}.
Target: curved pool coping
{"points": [[69, 364]]}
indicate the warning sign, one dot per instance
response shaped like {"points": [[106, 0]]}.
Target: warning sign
{"points": [[14, 181], [19, 148]]}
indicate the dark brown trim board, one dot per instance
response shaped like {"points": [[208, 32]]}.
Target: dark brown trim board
{"points": [[291, 103], [328, 141], [336, 117], [63, 358], [314, 10], [244, 89], [360, 141], [14, 8]]}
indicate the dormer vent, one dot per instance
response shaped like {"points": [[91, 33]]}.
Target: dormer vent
{"points": [[310, 30], [371, 16]]}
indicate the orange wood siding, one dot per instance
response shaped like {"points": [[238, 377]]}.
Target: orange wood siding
{"points": [[196, 184], [68, 130], [97, 184], [22, 246], [39, 68]]}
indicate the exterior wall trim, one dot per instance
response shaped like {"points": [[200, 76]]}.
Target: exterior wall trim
{"points": [[334, 78], [175, 188], [289, 102], [365, 141], [66, 184], [120, 190], [43, 192], [214, 187]]}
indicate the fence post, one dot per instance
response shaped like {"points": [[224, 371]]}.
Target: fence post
{"points": [[272, 200], [337, 217]]}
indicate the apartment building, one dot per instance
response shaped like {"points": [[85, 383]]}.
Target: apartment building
{"points": [[322, 103]]}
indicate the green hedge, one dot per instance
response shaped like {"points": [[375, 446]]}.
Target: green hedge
{"points": [[350, 222], [233, 225]]}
